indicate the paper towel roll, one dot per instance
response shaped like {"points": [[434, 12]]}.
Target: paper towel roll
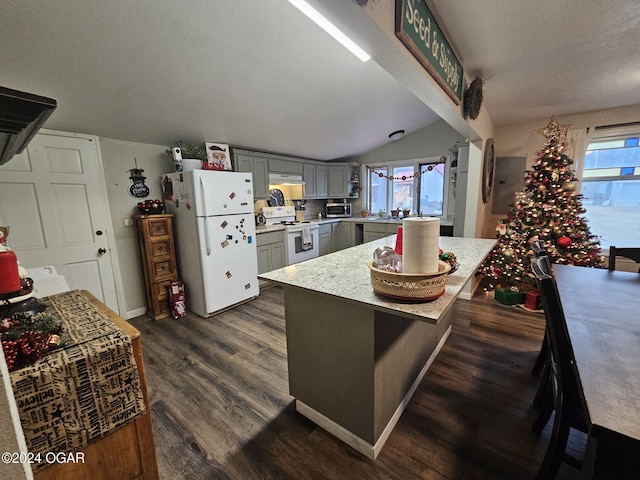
{"points": [[420, 244]]}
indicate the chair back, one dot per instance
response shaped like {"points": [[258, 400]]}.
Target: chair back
{"points": [[631, 253], [566, 388]]}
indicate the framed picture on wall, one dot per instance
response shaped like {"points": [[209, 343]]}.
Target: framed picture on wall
{"points": [[218, 156]]}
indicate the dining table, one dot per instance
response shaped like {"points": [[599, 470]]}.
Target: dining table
{"points": [[602, 313]]}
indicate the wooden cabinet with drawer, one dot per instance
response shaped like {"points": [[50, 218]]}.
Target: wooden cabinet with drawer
{"points": [[155, 233]]}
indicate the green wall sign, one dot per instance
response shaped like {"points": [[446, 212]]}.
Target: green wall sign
{"points": [[418, 30]]}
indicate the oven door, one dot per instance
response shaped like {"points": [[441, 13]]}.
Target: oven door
{"points": [[295, 250]]}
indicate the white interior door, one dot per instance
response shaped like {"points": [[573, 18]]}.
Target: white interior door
{"points": [[52, 197]]}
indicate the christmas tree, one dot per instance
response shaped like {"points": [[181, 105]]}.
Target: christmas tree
{"points": [[548, 210]]}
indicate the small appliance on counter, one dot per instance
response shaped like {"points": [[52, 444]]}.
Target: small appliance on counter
{"points": [[336, 210]]}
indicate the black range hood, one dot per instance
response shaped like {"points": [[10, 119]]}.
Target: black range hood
{"points": [[21, 116]]}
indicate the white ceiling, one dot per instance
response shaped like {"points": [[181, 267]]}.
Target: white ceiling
{"points": [[258, 74]]}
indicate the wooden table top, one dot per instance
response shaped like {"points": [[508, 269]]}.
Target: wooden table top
{"points": [[602, 311]]}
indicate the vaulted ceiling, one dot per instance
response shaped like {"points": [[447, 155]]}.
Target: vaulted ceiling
{"points": [[258, 74]]}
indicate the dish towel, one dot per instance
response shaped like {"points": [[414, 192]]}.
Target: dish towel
{"points": [[307, 241]]}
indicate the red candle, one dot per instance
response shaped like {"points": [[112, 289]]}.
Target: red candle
{"points": [[9, 277], [399, 241]]}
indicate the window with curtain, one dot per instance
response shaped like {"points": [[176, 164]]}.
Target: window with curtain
{"points": [[417, 185], [611, 186]]}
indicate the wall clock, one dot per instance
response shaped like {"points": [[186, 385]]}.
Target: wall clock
{"points": [[488, 168]]}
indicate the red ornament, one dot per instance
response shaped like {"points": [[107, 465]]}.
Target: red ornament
{"points": [[563, 242]]}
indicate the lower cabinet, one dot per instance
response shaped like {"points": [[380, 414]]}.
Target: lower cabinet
{"points": [[325, 238], [344, 235], [376, 231], [271, 251]]}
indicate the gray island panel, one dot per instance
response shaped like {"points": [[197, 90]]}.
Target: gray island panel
{"points": [[355, 358]]}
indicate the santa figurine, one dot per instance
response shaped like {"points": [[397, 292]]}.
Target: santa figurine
{"points": [[11, 267]]}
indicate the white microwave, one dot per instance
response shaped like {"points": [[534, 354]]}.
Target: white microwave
{"points": [[334, 210]]}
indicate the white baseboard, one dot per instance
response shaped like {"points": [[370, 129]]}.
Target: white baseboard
{"points": [[136, 313]]}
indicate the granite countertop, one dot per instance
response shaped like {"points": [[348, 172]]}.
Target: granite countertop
{"points": [[345, 275]]}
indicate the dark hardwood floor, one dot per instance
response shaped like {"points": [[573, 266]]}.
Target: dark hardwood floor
{"points": [[221, 409]]}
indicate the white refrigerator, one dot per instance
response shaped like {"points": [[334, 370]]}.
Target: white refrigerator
{"points": [[215, 236]]}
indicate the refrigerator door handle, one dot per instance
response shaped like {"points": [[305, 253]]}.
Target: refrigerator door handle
{"points": [[203, 200], [207, 240]]}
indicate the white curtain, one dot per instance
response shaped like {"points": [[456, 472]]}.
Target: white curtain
{"points": [[577, 141]]}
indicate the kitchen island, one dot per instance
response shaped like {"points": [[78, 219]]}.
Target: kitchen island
{"points": [[356, 358]]}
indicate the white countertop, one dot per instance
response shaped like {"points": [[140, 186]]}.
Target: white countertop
{"points": [[345, 274]]}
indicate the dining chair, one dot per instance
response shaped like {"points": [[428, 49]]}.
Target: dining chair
{"points": [[631, 253], [569, 410], [543, 356]]}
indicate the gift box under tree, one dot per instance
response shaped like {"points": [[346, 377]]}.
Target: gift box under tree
{"points": [[510, 296]]}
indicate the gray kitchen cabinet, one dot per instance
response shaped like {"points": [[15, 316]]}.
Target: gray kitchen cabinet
{"points": [[338, 181], [321, 181], [325, 238], [271, 251], [277, 165], [376, 230], [258, 166], [315, 180], [309, 177], [343, 235]]}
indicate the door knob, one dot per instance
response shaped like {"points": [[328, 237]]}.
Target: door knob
{"points": [[102, 251]]}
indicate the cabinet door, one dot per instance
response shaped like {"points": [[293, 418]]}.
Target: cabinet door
{"points": [[325, 243], [277, 165], [260, 178], [338, 177], [321, 181], [309, 177], [244, 163], [278, 257], [264, 258], [344, 235], [371, 236]]}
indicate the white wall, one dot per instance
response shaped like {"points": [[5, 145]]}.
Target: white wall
{"points": [[118, 158]]}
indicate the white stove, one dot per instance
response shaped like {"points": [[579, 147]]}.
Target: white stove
{"points": [[274, 215], [298, 249]]}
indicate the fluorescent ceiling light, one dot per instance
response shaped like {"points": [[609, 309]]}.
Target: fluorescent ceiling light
{"points": [[330, 28]]}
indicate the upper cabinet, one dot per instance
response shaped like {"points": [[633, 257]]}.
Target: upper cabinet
{"points": [[315, 180], [277, 165], [322, 180], [338, 181], [259, 168]]}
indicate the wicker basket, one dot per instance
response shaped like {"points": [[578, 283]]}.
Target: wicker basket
{"points": [[410, 286]]}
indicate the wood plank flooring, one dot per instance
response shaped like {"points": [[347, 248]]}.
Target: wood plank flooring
{"points": [[221, 409]]}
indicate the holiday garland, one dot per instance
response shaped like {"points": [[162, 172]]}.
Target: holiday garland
{"points": [[391, 178], [27, 337]]}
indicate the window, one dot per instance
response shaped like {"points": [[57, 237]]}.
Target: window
{"points": [[611, 188], [416, 185]]}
